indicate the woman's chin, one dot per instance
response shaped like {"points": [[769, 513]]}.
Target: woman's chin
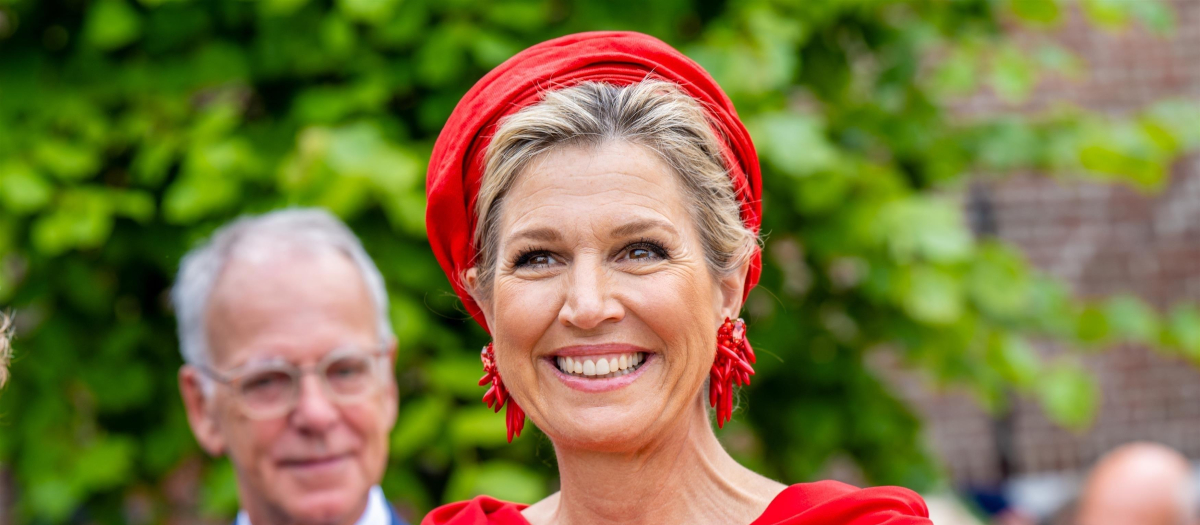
{"points": [[602, 429]]}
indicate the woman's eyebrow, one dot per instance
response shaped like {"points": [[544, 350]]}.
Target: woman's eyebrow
{"points": [[641, 226], [537, 234]]}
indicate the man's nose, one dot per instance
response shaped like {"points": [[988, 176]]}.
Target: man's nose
{"points": [[314, 410]]}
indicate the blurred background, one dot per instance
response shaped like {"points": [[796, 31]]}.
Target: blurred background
{"points": [[982, 232]]}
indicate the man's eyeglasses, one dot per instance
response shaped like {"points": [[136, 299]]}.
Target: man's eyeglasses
{"points": [[272, 389]]}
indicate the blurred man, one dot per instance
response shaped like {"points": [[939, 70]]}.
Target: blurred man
{"points": [[1139, 483], [5, 346], [284, 329]]}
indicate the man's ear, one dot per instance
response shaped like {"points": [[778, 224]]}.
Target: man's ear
{"points": [[471, 283], [733, 286], [201, 413]]}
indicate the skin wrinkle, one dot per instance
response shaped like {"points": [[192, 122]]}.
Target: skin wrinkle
{"points": [[648, 449]]}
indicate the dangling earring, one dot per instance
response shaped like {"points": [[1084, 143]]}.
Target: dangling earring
{"points": [[734, 357], [497, 395]]}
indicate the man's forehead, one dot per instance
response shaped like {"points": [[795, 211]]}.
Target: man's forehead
{"points": [[288, 297]]}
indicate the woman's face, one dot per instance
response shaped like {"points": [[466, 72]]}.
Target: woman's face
{"points": [[603, 311]]}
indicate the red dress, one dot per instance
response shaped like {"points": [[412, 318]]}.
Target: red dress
{"points": [[821, 503]]}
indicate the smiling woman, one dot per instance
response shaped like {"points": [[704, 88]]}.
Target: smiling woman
{"points": [[604, 231]]}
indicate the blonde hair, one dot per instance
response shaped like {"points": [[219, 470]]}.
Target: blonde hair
{"points": [[653, 114], [6, 330]]}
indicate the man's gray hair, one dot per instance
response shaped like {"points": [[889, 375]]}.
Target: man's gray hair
{"points": [[308, 228]]}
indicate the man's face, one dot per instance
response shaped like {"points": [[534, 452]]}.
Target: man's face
{"points": [[315, 463]]}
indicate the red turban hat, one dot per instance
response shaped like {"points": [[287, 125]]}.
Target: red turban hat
{"points": [[618, 58]]}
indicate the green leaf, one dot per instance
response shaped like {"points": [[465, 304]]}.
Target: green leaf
{"points": [[136, 205], [54, 498], [1183, 330], [522, 15], [281, 7], [1056, 59], [1128, 151], [218, 491], [111, 24], [81, 219], [1013, 76], [338, 36], [958, 73], [1069, 396], [1015, 359], [1132, 319], [440, 59], [361, 150], [1042, 12], [1109, 14], [925, 228], [193, 197], [792, 143], [419, 423], [931, 295], [66, 160], [1091, 326], [154, 160], [105, 463], [477, 426], [22, 190], [369, 11], [409, 318], [1154, 14], [491, 49], [493, 478], [458, 375], [999, 282], [510, 482]]}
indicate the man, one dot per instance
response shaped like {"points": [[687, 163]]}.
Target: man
{"points": [[284, 329], [1139, 483]]}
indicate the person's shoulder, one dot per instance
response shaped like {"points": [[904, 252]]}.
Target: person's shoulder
{"points": [[482, 510], [836, 502]]}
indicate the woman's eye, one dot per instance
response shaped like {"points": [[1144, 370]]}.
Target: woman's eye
{"points": [[536, 260], [645, 252]]}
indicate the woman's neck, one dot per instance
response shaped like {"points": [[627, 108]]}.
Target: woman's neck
{"points": [[683, 477]]}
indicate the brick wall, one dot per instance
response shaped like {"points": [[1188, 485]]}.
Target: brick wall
{"points": [[1100, 239]]}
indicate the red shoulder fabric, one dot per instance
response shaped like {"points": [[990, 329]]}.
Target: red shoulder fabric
{"points": [[621, 58], [821, 503], [479, 511], [829, 502]]}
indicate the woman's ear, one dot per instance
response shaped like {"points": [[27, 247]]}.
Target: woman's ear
{"points": [[470, 281], [733, 286]]}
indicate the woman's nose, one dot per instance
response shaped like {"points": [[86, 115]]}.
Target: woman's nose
{"points": [[590, 301]]}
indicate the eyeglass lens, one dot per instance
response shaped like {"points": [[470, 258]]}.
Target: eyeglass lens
{"points": [[275, 389]]}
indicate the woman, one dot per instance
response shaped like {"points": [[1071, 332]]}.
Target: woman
{"points": [[595, 202]]}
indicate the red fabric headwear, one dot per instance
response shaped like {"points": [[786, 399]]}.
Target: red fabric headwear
{"points": [[619, 58]]}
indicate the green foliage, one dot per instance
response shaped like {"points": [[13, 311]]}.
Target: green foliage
{"points": [[130, 129]]}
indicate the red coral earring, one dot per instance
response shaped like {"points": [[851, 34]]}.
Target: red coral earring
{"points": [[734, 357], [497, 395]]}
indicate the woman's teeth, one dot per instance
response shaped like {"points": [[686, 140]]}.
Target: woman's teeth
{"points": [[601, 367]]}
